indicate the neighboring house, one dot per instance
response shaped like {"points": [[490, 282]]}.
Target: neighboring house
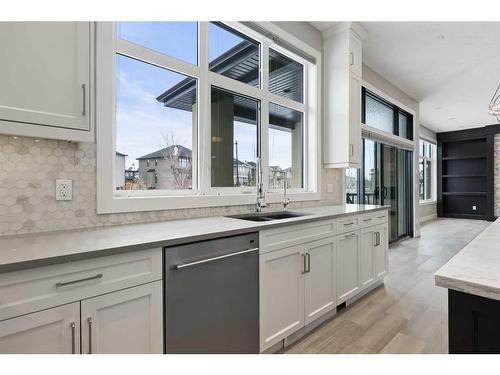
{"points": [[244, 173], [167, 169], [277, 176], [120, 170]]}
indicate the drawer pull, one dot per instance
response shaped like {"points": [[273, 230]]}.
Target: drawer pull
{"points": [[84, 97], [368, 219], [346, 224], [381, 217], [98, 276], [349, 235]]}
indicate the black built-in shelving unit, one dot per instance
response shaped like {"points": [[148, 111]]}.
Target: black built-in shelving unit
{"points": [[465, 173]]}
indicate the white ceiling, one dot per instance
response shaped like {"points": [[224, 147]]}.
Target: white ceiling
{"points": [[451, 68]]}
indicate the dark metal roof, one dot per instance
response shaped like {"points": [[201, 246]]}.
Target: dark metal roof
{"points": [[242, 63]]}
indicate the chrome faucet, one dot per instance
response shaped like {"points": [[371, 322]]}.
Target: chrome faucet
{"points": [[286, 200], [261, 196]]}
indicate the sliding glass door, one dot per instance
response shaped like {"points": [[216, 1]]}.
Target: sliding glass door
{"points": [[386, 178]]}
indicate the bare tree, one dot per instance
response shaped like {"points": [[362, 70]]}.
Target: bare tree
{"points": [[171, 152]]}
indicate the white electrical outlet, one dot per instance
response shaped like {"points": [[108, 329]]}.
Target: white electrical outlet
{"points": [[473, 208], [64, 190]]}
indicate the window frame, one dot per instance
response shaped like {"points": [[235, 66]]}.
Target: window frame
{"points": [[433, 160], [107, 46]]}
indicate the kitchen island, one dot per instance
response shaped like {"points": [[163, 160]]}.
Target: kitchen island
{"points": [[473, 280]]}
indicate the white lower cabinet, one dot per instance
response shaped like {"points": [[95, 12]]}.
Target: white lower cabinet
{"points": [[367, 257], [281, 294], [347, 266], [381, 253], [319, 279], [51, 331], [123, 322], [297, 287]]}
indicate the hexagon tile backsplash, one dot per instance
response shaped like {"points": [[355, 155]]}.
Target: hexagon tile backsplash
{"points": [[29, 168]]}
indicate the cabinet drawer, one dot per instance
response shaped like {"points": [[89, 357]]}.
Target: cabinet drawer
{"points": [[347, 224], [35, 289], [379, 217], [290, 235]]}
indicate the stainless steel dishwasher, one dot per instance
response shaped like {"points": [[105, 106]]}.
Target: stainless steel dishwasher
{"points": [[212, 296]]}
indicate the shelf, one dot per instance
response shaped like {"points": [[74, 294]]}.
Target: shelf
{"points": [[462, 175], [463, 157], [464, 193], [479, 216]]}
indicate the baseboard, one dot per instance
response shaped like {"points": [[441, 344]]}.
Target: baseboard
{"points": [[423, 219]]}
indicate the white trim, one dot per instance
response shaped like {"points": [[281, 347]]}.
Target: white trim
{"points": [[424, 219], [110, 200], [428, 202], [428, 139]]}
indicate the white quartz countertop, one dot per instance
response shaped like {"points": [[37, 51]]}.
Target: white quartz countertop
{"points": [[476, 268], [33, 250]]}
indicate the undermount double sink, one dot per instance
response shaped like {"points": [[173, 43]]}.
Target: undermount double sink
{"points": [[268, 216]]}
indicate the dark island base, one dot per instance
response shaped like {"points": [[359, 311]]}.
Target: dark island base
{"points": [[473, 324]]}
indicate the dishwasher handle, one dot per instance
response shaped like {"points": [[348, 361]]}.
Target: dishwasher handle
{"points": [[191, 264]]}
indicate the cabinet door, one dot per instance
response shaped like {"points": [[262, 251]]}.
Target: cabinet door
{"points": [[319, 279], [355, 59], [281, 294], [127, 321], [347, 266], [354, 119], [51, 331], [381, 251], [366, 257], [45, 73]]}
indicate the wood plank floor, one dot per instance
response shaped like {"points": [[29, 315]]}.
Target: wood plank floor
{"points": [[408, 314]]}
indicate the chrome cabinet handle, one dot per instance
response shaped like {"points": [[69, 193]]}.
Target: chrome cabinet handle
{"points": [[368, 219], [73, 337], [308, 256], [349, 235], [377, 237], [304, 265], [381, 217], [98, 276], [84, 104], [346, 224], [186, 265], [351, 149], [351, 58], [89, 320]]}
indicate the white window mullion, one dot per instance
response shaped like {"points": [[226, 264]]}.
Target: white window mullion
{"points": [[285, 102], [204, 110], [147, 55], [264, 116], [232, 85]]}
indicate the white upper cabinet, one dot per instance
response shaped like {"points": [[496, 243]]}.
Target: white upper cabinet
{"points": [[46, 79], [342, 98]]}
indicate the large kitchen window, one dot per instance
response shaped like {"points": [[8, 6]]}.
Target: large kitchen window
{"points": [[426, 170], [195, 108]]}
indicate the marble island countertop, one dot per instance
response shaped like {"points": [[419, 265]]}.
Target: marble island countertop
{"points": [[476, 268], [39, 249]]}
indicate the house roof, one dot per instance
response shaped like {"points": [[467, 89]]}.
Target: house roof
{"points": [[183, 152]]}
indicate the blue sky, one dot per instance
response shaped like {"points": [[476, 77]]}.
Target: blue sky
{"points": [[143, 122]]}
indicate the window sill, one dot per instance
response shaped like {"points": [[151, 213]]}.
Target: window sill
{"points": [[428, 202], [113, 204]]}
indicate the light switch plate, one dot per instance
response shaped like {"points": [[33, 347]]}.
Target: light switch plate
{"points": [[473, 208], [64, 190]]}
